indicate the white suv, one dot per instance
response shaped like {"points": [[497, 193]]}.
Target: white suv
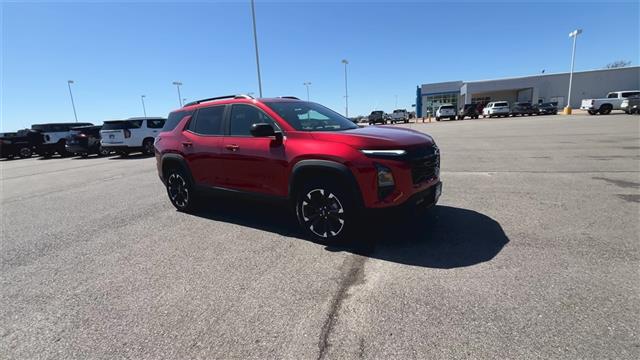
{"points": [[446, 111], [131, 135], [496, 108]]}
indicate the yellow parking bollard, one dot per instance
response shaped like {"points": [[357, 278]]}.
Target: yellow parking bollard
{"points": [[567, 110]]}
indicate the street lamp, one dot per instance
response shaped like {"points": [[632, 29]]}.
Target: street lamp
{"points": [[346, 92], [144, 109], [307, 84], [69, 82], [255, 42], [178, 84], [574, 34]]}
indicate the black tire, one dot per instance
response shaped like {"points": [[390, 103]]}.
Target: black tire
{"points": [[180, 190], [605, 109], [84, 155], [147, 147], [25, 152], [437, 118], [325, 211], [102, 151], [47, 155], [452, 118], [592, 112], [124, 154]]}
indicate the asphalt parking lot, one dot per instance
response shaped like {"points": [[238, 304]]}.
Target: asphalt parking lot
{"points": [[532, 252]]}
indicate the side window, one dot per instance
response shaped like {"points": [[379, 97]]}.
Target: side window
{"points": [[135, 124], [630, 93], [612, 96], [208, 121], [243, 116], [155, 123], [174, 119]]}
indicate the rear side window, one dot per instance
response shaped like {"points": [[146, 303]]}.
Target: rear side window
{"points": [[208, 121], [155, 123], [174, 119], [630, 93]]}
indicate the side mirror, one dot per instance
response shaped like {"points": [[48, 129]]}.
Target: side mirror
{"points": [[266, 130], [262, 130]]}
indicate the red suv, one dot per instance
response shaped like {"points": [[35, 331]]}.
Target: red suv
{"points": [[326, 166]]}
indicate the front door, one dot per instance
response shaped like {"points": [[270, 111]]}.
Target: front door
{"points": [[253, 164]]}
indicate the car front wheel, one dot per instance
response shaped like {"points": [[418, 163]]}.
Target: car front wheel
{"points": [[324, 211]]}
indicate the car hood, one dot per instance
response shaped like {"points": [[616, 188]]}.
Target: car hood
{"points": [[377, 137]]}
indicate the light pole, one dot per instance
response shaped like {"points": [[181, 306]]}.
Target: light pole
{"points": [[144, 109], [574, 34], [255, 42], [69, 82], [178, 84], [346, 92], [307, 84]]}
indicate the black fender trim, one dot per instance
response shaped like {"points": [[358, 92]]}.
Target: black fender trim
{"points": [[329, 165], [171, 157]]}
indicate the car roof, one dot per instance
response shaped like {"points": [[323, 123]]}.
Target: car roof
{"points": [[233, 99]]}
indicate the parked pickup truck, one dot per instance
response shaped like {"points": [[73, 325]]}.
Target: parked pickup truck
{"points": [[611, 102], [400, 115]]}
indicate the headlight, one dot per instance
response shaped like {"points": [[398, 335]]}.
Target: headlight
{"points": [[384, 152], [385, 177]]}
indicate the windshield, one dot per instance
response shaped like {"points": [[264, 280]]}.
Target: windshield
{"points": [[308, 116], [500, 104], [448, 107]]}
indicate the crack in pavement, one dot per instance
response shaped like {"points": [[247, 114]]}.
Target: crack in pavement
{"points": [[353, 269]]}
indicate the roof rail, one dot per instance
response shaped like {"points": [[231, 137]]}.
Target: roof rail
{"points": [[238, 96], [289, 97]]}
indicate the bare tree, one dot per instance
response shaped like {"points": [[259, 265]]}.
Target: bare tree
{"points": [[618, 64]]}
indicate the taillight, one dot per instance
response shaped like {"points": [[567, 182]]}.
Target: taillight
{"points": [[127, 133]]}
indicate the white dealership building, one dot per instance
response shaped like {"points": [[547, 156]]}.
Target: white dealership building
{"points": [[535, 89]]}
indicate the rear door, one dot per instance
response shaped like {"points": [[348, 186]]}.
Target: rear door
{"points": [[201, 144], [253, 164]]}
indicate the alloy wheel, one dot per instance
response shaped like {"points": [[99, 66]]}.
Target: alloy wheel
{"points": [[323, 213], [178, 190]]}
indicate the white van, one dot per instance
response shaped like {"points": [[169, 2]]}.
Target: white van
{"points": [[131, 135]]}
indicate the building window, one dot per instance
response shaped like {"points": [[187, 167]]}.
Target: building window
{"points": [[433, 101]]}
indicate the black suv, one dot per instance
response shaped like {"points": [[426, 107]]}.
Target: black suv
{"points": [[85, 140], [547, 108], [522, 108], [470, 110], [377, 116], [21, 143]]}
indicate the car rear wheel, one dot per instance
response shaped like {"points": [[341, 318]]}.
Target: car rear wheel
{"points": [[147, 147], [592, 112], [180, 190], [325, 211], [102, 151], [25, 152]]}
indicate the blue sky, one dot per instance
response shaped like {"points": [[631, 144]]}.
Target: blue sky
{"points": [[116, 51]]}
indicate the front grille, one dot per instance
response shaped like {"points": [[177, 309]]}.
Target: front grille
{"points": [[426, 167]]}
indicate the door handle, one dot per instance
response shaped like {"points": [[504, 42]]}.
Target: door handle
{"points": [[187, 143], [232, 147]]}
